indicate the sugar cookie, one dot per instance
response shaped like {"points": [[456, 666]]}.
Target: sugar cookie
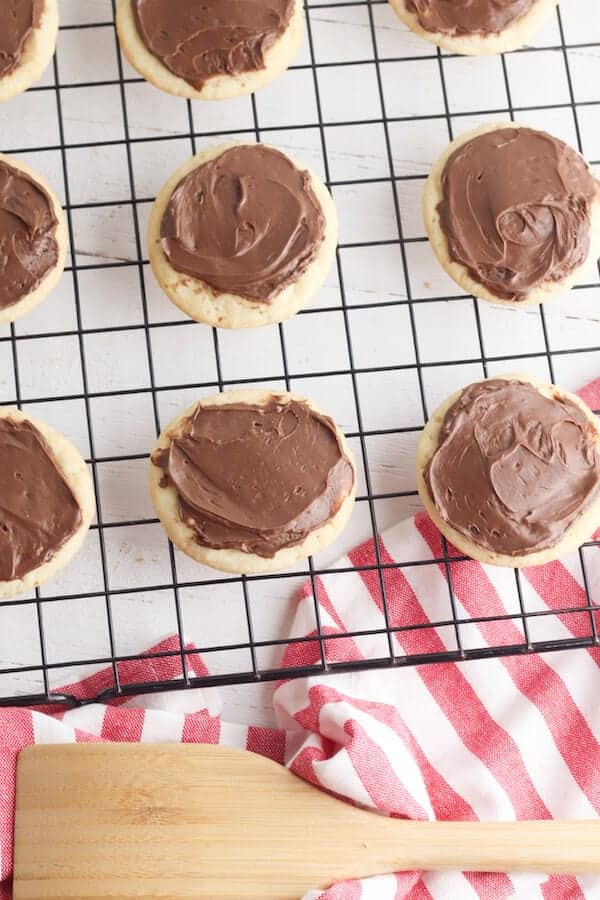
{"points": [[33, 239], [251, 481], [28, 30], [509, 471], [477, 28], [47, 502], [513, 214], [210, 49], [240, 236]]}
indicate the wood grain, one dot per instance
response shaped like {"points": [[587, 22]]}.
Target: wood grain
{"points": [[172, 821]]}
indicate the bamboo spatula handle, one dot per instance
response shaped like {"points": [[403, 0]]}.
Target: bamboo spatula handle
{"points": [[546, 846]]}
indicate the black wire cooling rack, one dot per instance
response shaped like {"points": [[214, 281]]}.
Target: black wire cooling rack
{"points": [[378, 60]]}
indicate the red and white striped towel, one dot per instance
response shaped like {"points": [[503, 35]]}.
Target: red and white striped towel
{"points": [[508, 738]]}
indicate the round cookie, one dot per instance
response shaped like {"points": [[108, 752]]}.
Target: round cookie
{"points": [[515, 35], [37, 53], [580, 529], [276, 59], [227, 310], [48, 282], [432, 197], [74, 472], [165, 499]]}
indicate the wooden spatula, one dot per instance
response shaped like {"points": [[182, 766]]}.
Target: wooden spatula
{"points": [[151, 821]]}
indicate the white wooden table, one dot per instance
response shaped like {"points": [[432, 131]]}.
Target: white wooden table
{"points": [[111, 289]]}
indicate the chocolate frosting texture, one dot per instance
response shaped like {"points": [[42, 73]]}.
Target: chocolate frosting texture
{"points": [[28, 247], [17, 20], [197, 39], [464, 17], [516, 210], [246, 223], [38, 512], [513, 469], [257, 478]]}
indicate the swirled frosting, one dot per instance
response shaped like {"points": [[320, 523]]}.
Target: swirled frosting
{"points": [[516, 210], [464, 17], [28, 246], [245, 223], [38, 512], [198, 39], [257, 478], [18, 18], [514, 469]]}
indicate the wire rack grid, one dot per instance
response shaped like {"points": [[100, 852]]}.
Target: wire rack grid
{"points": [[109, 361]]}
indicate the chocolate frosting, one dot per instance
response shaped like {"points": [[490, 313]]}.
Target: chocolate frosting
{"points": [[28, 246], [516, 210], [464, 17], [17, 20], [246, 223], [257, 478], [198, 39], [38, 512], [514, 469]]}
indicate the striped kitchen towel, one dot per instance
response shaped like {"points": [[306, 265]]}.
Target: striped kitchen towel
{"points": [[504, 738]]}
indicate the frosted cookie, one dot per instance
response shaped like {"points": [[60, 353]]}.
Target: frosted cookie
{"points": [[250, 481], [46, 502], [28, 30], [240, 236], [33, 239], [475, 28], [513, 214], [509, 471], [210, 49]]}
